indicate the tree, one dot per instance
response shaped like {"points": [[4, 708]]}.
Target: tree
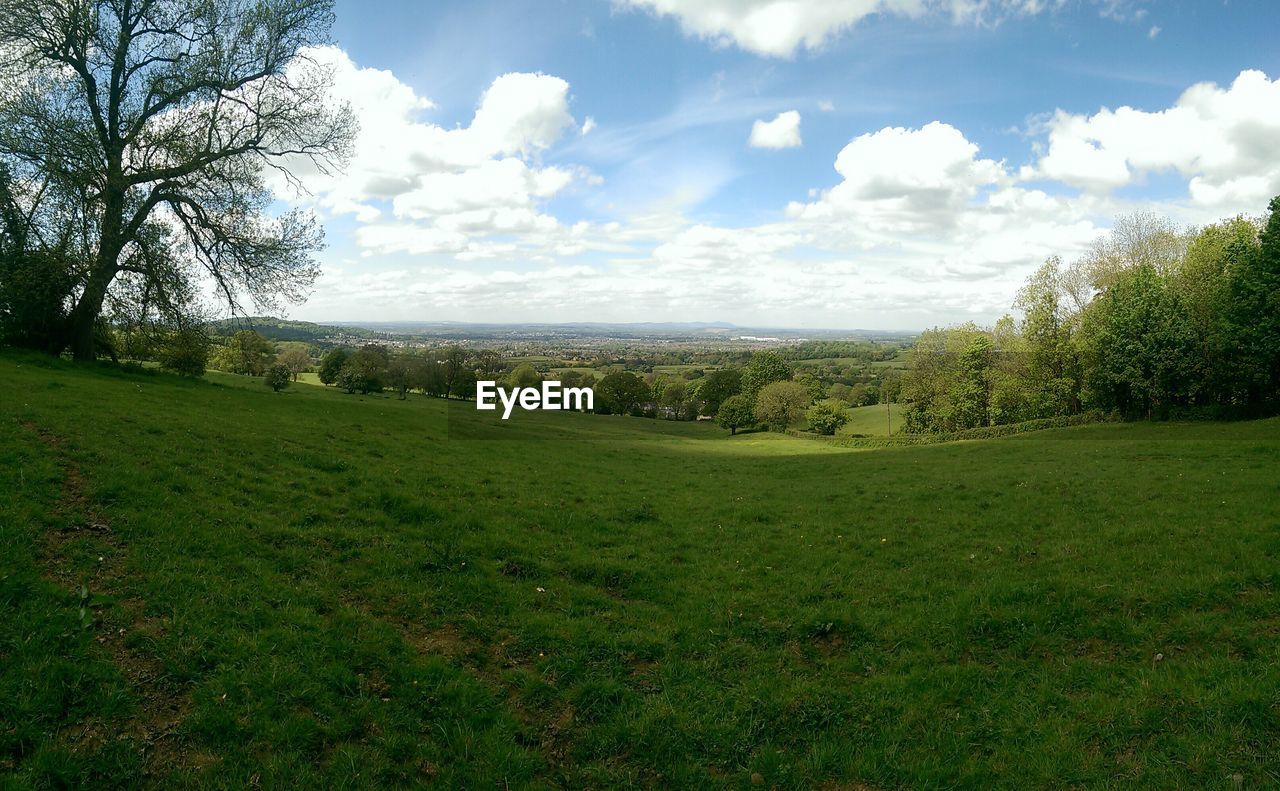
{"points": [[277, 377], [331, 365], [717, 386], [400, 375], [247, 353], [524, 375], [826, 417], [621, 391], [781, 403], [457, 371], [365, 371], [763, 369], [296, 360], [674, 399], [164, 117], [185, 351], [737, 411], [1139, 345]]}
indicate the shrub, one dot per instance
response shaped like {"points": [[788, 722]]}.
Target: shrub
{"points": [[277, 377], [826, 417], [185, 352]]}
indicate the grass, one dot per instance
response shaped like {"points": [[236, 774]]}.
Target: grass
{"points": [[319, 590], [872, 421]]}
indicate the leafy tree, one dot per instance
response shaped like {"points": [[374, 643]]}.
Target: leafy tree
{"points": [[674, 398], [185, 351], [764, 368], [247, 353], [780, 404], [400, 374], [278, 377], [365, 371], [296, 360], [331, 365], [737, 411], [1139, 343], [166, 106], [817, 390], [717, 386], [1254, 314], [427, 374], [458, 372], [619, 392], [826, 417], [524, 375]]}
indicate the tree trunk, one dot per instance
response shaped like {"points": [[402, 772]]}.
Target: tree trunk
{"points": [[85, 315], [89, 306]]}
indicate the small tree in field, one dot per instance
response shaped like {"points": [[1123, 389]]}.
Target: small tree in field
{"points": [[331, 365], [296, 360], [782, 403], [736, 412], [277, 377], [826, 417]]}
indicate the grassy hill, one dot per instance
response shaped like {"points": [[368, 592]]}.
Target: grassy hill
{"points": [[205, 583]]}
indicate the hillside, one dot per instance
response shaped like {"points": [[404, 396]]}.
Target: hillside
{"points": [[206, 583]]}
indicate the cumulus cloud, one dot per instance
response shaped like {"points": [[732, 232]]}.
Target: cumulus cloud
{"points": [[448, 189], [782, 132], [778, 28], [1225, 141]]}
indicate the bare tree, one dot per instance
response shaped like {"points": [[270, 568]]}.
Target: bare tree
{"points": [[165, 117]]}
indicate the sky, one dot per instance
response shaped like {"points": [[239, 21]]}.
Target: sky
{"points": [[873, 164]]}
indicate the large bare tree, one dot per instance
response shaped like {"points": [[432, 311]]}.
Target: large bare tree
{"points": [[166, 117]]}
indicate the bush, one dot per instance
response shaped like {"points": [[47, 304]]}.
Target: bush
{"points": [[826, 417], [185, 352], [277, 377]]}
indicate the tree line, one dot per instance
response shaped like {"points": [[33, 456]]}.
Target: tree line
{"points": [[1152, 322]]}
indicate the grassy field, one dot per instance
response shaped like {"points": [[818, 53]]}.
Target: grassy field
{"points": [[872, 421], [207, 584]]}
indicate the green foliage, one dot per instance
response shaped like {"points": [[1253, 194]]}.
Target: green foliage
{"points": [[277, 377], [826, 417], [718, 386], [246, 353], [365, 370], [765, 368], [296, 360], [184, 351], [737, 411], [620, 392], [524, 375], [780, 404], [331, 365]]}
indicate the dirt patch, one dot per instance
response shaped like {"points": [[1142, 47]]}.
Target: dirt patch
{"points": [[86, 532]]}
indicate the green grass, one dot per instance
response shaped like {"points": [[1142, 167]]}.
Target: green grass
{"points": [[872, 421], [320, 590]]}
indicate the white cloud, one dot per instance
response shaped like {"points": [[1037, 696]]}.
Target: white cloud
{"points": [[588, 125], [449, 190], [826, 106], [1225, 141], [780, 27], [1154, 31], [782, 132]]}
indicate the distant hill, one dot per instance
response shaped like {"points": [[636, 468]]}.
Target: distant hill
{"points": [[289, 330]]}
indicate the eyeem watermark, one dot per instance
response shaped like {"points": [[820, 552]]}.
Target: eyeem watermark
{"points": [[551, 396]]}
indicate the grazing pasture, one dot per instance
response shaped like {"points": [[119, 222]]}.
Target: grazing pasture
{"points": [[210, 584]]}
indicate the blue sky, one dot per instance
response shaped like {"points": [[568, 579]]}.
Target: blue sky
{"points": [[612, 177]]}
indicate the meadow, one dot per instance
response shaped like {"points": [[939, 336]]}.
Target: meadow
{"points": [[207, 584]]}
